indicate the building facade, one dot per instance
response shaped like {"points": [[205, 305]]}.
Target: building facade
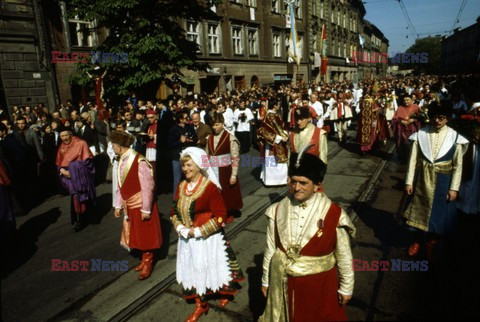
{"points": [[461, 51], [236, 64], [374, 44], [66, 36], [26, 75], [246, 46], [342, 20]]}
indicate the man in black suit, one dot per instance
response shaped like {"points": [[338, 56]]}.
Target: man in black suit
{"points": [[86, 133], [164, 167], [83, 108]]}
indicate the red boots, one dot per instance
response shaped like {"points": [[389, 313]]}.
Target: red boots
{"points": [[223, 302], [139, 267], [145, 266], [430, 248], [413, 249], [200, 308]]}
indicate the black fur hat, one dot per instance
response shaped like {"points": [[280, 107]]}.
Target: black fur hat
{"points": [[302, 113], [444, 108], [308, 166]]}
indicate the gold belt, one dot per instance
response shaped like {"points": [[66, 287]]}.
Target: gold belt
{"points": [[309, 265], [445, 167]]}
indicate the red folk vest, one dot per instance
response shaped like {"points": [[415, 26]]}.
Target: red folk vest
{"points": [[315, 140], [223, 146], [326, 243], [131, 185]]}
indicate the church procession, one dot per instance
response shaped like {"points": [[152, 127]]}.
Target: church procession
{"points": [[339, 191]]}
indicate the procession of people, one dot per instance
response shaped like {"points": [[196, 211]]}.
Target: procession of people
{"points": [[191, 146]]}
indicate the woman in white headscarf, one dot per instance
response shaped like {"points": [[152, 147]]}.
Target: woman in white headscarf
{"points": [[206, 264]]}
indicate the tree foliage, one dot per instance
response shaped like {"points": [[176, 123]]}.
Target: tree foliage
{"points": [[149, 31], [430, 45]]}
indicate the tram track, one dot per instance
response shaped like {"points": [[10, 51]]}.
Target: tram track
{"points": [[143, 301]]}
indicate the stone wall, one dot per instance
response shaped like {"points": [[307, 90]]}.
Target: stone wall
{"points": [[25, 79], [22, 79]]}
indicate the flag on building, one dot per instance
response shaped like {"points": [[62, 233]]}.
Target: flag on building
{"points": [[362, 41], [295, 46], [317, 60], [323, 67]]}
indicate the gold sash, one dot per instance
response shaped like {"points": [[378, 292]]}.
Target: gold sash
{"points": [[418, 212], [134, 201]]}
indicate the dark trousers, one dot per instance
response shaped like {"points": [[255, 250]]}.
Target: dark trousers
{"points": [[244, 138]]}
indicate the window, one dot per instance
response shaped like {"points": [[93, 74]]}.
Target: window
{"points": [[338, 17], [332, 15], [351, 23], [213, 38], [339, 48], [252, 41], [277, 49], [79, 36], [298, 9], [276, 6], [321, 9], [236, 1], [193, 32], [251, 3], [237, 38], [345, 50], [314, 7], [344, 20]]}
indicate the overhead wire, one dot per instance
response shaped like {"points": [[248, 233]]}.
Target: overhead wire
{"points": [[457, 19], [407, 17]]}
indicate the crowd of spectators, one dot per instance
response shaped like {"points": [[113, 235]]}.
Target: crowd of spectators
{"points": [[29, 135]]}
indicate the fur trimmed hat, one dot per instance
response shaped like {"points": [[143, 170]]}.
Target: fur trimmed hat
{"points": [[308, 166], [302, 113], [122, 138], [442, 108]]}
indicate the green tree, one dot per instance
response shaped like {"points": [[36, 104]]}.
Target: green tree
{"points": [[430, 45], [149, 31]]}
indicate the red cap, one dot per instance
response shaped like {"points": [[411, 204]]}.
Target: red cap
{"points": [[150, 112]]}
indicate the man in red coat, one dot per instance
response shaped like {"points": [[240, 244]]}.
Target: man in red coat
{"points": [[135, 195], [77, 173], [307, 265]]}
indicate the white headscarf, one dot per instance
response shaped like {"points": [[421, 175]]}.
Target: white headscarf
{"points": [[200, 157]]}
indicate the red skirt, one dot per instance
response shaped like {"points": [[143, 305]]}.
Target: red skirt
{"points": [[232, 196], [144, 235]]}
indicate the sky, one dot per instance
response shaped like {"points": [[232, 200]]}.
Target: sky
{"points": [[429, 18]]}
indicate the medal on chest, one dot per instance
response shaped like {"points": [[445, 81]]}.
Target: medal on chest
{"points": [[320, 228]]}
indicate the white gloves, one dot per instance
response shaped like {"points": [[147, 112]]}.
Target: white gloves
{"points": [[183, 231]]}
